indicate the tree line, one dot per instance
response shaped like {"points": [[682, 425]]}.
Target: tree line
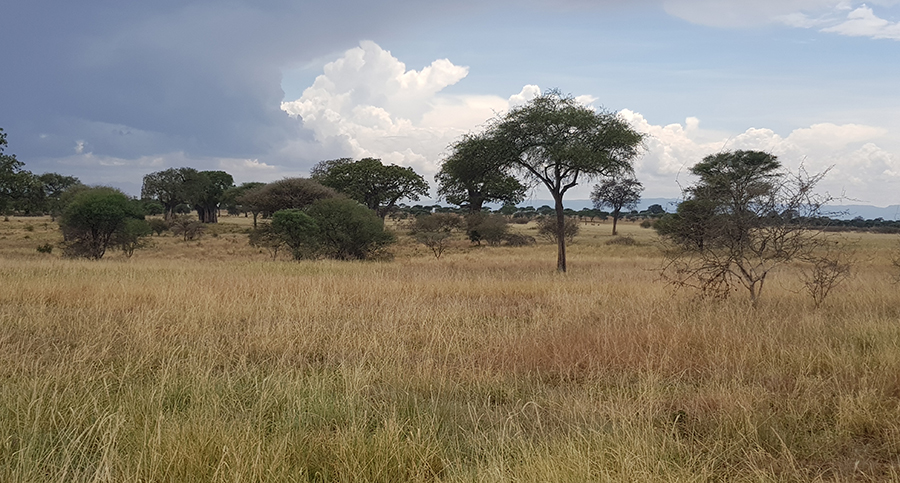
{"points": [[741, 219]]}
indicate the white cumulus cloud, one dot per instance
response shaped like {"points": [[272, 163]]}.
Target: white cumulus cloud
{"points": [[844, 17], [368, 104], [862, 22], [860, 168]]}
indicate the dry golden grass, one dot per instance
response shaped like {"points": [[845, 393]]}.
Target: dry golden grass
{"points": [[207, 361]]}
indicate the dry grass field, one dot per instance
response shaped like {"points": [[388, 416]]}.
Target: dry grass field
{"points": [[207, 361]]}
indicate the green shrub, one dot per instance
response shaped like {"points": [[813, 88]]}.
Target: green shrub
{"points": [[517, 240], [93, 219], [435, 230], [132, 236], [45, 248], [297, 230], [158, 225], [489, 228], [347, 229]]}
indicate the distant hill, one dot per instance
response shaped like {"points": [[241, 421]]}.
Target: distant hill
{"points": [[842, 212]]}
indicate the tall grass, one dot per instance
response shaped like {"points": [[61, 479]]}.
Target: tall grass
{"points": [[187, 363]]}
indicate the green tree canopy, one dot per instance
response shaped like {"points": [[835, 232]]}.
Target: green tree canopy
{"points": [[348, 230], [14, 180], [284, 194], [370, 182], [298, 231], [171, 187], [207, 192], [93, 219], [558, 142], [477, 172]]}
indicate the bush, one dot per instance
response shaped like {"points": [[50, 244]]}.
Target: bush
{"points": [[547, 228], [45, 248], [132, 236], [265, 237], [187, 227], [93, 219], [158, 225], [435, 230], [489, 228], [296, 230], [516, 240], [348, 230], [622, 240], [647, 224]]}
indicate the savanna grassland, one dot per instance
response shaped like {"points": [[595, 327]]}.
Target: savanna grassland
{"points": [[207, 361]]}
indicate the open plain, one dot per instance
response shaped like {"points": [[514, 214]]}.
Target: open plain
{"points": [[207, 360]]}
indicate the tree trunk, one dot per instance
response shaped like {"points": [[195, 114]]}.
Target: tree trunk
{"points": [[615, 220], [560, 235], [476, 204]]}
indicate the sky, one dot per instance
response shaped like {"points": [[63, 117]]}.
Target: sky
{"points": [[111, 91]]}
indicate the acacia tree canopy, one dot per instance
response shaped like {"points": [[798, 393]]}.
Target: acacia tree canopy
{"points": [[557, 142], [370, 182], [617, 193], [94, 218], [739, 221], [476, 172]]}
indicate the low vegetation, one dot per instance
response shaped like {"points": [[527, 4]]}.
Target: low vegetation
{"points": [[203, 360]]}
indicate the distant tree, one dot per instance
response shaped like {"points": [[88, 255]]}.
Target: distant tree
{"points": [[153, 207], [93, 220], [434, 230], [284, 194], [231, 197], [186, 226], [298, 231], [617, 193], [476, 172], [743, 218], [171, 187], [14, 180], [158, 225], [656, 210], [556, 141], [547, 229], [54, 186], [347, 229], [490, 228], [132, 236], [370, 182], [208, 192]]}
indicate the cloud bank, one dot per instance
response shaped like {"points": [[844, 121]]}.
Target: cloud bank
{"points": [[368, 103], [844, 17]]}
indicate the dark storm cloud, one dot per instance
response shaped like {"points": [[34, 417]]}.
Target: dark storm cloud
{"points": [[132, 79]]}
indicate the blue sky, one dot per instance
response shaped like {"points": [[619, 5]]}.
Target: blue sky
{"points": [[110, 91]]}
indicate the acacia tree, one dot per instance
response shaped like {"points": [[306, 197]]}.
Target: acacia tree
{"points": [[743, 218], [55, 186], [370, 182], [617, 193], [288, 193], [476, 172], [556, 141], [96, 218]]}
